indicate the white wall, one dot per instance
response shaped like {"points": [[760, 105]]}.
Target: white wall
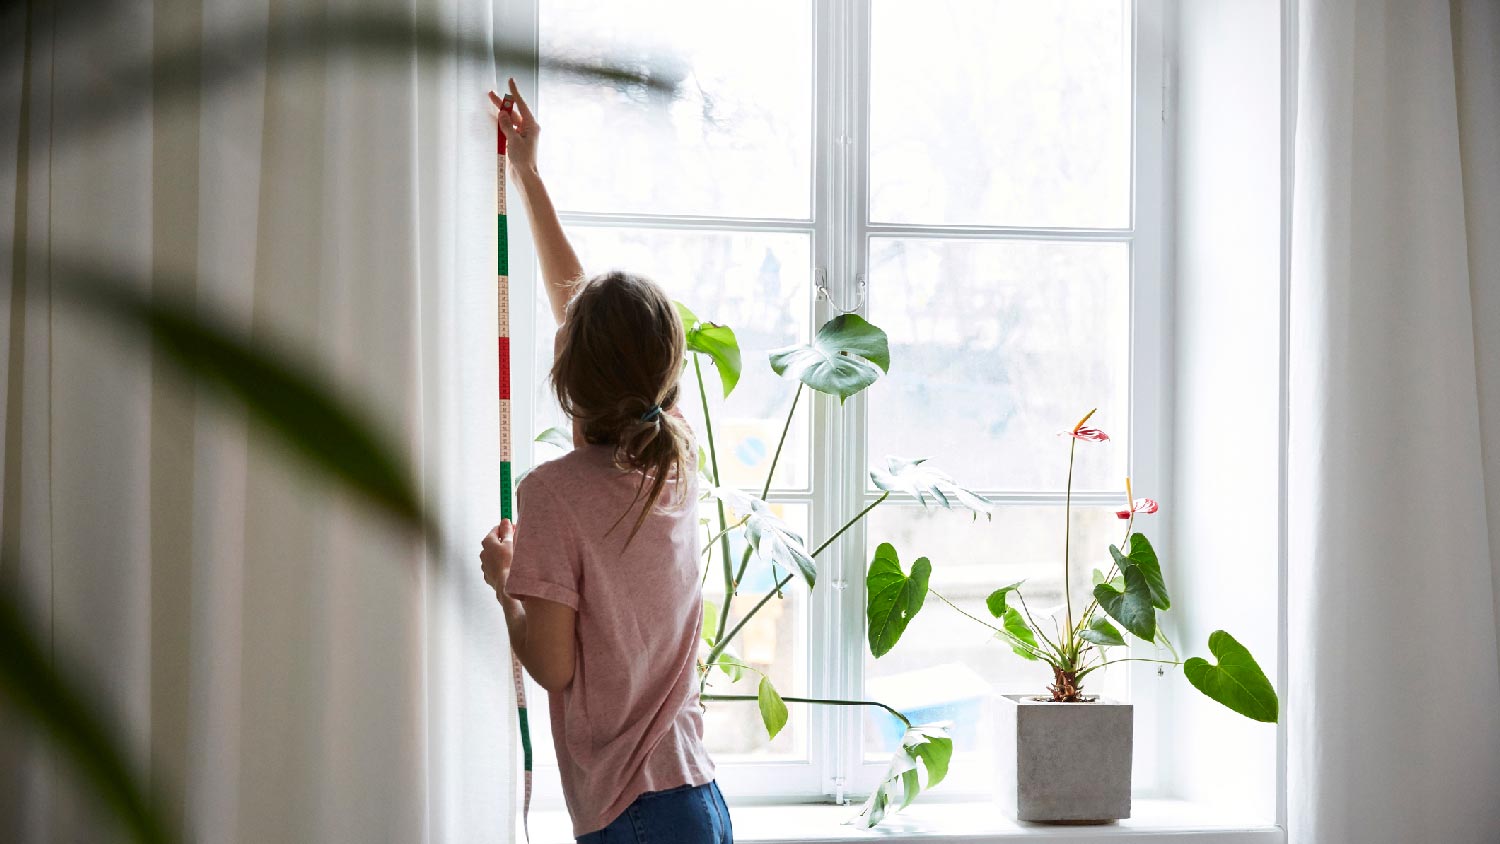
{"points": [[1223, 561]]}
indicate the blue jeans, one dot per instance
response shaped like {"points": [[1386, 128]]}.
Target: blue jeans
{"points": [[690, 814]]}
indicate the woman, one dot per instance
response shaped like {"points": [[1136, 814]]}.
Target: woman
{"points": [[601, 591]]}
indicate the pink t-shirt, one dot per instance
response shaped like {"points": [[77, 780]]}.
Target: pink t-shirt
{"points": [[630, 721]]}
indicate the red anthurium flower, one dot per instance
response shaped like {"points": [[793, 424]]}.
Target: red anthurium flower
{"points": [[1093, 435], [1140, 505]]}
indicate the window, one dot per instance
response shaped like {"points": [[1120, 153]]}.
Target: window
{"points": [[981, 179]]}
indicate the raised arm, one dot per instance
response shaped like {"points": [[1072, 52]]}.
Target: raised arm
{"points": [[561, 271]]}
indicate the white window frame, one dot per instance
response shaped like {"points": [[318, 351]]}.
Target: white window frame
{"points": [[840, 231]]}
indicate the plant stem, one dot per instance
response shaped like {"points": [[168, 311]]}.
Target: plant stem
{"points": [[817, 700], [713, 461], [1037, 628], [776, 458], [710, 545], [849, 524], [725, 638], [1009, 637], [961, 611], [1126, 659], [1067, 539], [745, 564]]}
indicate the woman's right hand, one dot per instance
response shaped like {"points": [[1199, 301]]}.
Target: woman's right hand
{"points": [[521, 131], [497, 548]]}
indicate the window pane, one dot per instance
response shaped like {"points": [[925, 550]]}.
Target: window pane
{"points": [[949, 668], [775, 641], [1001, 112], [737, 139], [995, 347], [757, 284]]}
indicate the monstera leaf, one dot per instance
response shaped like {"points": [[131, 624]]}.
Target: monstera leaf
{"points": [[914, 477], [1132, 607], [893, 597], [773, 540], [847, 355], [715, 341], [1237, 681], [926, 747], [1143, 557]]}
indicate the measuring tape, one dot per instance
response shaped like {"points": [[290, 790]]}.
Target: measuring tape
{"points": [[507, 501]]}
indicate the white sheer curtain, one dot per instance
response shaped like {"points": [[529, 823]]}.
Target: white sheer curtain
{"points": [[287, 666], [1394, 700]]}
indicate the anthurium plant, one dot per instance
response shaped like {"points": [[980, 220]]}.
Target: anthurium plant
{"points": [[846, 356], [1128, 599]]}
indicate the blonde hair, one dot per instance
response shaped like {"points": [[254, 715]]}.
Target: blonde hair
{"points": [[616, 373]]}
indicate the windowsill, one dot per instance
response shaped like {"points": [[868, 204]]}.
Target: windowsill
{"points": [[1166, 821]]}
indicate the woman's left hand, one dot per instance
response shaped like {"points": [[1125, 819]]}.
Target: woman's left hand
{"points": [[494, 560]]}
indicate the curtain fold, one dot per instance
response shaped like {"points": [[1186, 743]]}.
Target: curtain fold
{"points": [[287, 666], [1394, 517]]}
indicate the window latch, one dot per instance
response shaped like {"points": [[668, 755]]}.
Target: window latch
{"points": [[820, 280]]}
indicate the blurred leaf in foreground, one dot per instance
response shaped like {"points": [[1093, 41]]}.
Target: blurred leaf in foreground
{"points": [[297, 408], [31, 683]]}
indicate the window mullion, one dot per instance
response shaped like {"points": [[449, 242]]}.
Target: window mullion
{"points": [[822, 639], [854, 193]]}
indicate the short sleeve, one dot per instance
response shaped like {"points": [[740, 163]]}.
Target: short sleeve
{"points": [[547, 561]]}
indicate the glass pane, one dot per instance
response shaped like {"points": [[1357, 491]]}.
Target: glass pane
{"points": [[757, 284], [950, 668], [1001, 112], [995, 347], [735, 141], [774, 641]]}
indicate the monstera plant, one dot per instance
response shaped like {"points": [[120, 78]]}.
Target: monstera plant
{"points": [[846, 356], [1125, 600]]}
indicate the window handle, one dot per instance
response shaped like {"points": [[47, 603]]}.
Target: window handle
{"points": [[821, 282]]}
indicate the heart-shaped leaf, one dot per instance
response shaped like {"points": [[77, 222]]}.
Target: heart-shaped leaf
{"points": [[914, 477], [717, 342], [1237, 681], [1142, 556], [847, 355], [772, 708], [893, 597], [1102, 633], [996, 600], [1132, 607], [774, 542], [1016, 626]]}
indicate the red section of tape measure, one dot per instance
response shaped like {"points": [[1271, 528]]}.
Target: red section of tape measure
{"points": [[504, 367], [505, 106]]}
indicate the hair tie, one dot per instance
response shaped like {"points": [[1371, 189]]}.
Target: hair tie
{"points": [[650, 415]]}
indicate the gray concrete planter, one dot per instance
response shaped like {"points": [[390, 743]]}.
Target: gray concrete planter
{"points": [[1064, 762]]}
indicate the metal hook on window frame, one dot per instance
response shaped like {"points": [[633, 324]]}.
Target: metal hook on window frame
{"points": [[821, 282]]}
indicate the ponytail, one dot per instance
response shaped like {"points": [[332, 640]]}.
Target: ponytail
{"points": [[619, 360]]}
